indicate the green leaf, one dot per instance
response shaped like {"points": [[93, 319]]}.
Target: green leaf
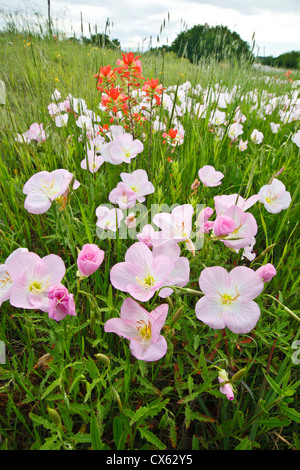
{"points": [[204, 370], [290, 412], [150, 437], [97, 444], [51, 443], [274, 422], [50, 388], [117, 431], [273, 384], [246, 444]]}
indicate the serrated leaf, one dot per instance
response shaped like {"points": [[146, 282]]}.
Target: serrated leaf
{"points": [[42, 422], [142, 411], [274, 422], [51, 443], [273, 384], [246, 444], [290, 412], [150, 437], [50, 388], [80, 437]]}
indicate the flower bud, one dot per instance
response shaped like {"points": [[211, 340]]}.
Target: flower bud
{"points": [[61, 303], [103, 358], [227, 388], [177, 315], [239, 375], [223, 226], [89, 259], [266, 272], [55, 417]]}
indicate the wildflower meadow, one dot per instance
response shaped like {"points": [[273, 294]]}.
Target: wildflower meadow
{"points": [[149, 268]]}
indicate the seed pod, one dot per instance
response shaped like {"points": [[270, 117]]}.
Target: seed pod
{"points": [[54, 415], [177, 315], [239, 375], [103, 358]]}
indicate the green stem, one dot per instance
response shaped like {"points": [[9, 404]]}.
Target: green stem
{"points": [[292, 314]]}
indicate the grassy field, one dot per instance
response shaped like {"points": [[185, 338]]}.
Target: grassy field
{"points": [[55, 393]]}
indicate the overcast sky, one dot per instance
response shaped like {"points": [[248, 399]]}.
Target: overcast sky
{"points": [[276, 23]]}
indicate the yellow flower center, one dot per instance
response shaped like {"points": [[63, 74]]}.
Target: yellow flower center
{"points": [[144, 329], [148, 281], [6, 279], [272, 198], [48, 187], [227, 299], [181, 229], [36, 287]]}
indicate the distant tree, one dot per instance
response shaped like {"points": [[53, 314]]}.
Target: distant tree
{"points": [[206, 41], [268, 60], [289, 60]]}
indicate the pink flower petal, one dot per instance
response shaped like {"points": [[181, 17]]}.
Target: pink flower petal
{"points": [[208, 310], [242, 317], [213, 280], [153, 352]]}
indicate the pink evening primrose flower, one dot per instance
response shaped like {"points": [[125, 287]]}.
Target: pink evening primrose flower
{"points": [[243, 145], [61, 120], [92, 161], [142, 329], [274, 197], [61, 303], [53, 109], [274, 127], [203, 224], [209, 176], [227, 200], [6, 281], [227, 388], [177, 225], [123, 196], [180, 275], [108, 219], [248, 251], [235, 130], [142, 273], [44, 187], [130, 220], [138, 182], [56, 95], [257, 136], [228, 298], [36, 132], [266, 272], [245, 230], [89, 259], [32, 278], [147, 235], [296, 138], [124, 148]]}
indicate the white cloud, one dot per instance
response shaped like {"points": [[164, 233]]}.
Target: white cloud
{"points": [[276, 24]]}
